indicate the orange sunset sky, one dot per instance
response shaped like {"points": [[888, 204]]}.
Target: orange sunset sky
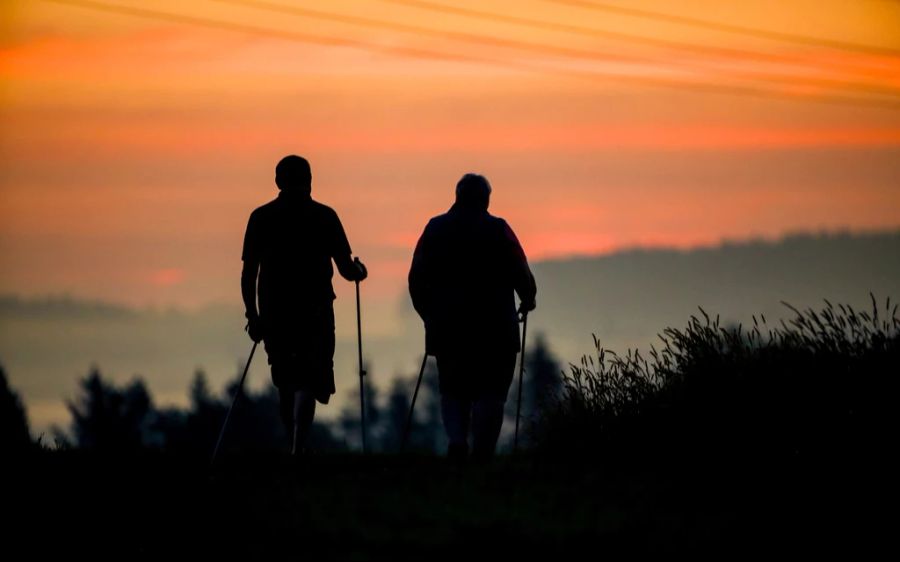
{"points": [[136, 137]]}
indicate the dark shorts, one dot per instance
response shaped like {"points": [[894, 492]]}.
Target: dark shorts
{"points": [[301, 352], [472, 377]]}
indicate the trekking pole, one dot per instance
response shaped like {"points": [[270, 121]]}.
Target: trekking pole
{"points": [[521, 374], [362, 372], [233, 402], [412, 406]]}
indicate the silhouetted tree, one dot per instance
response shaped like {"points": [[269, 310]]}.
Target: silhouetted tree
{"points": [[255, 424], [111, 419], [204, 419], [396, 412], [542, 385], [108, 418], [14, 435], [386, 419], [349, 421], [427, 431], [433, 436], [543, 381], [193, 431], [199, 393]]}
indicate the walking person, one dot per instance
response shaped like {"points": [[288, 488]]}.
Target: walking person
{"points": [[289, 246], [467, 267]]}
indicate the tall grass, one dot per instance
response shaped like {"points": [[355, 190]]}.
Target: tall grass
{"points": [[822, 384]]}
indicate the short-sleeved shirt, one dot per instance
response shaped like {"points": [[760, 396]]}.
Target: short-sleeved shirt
{"points": [[293, 239]]}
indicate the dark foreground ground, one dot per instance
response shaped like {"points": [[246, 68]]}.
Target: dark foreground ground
{"points": [[348, 507]]}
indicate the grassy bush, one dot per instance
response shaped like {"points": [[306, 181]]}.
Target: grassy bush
{"points": [[821, 386]]}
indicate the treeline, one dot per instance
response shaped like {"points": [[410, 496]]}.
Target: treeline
{"points": [[107, 417], [820, 385]]}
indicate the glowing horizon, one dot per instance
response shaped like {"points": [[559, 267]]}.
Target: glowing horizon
{"points": [[135, 141]]}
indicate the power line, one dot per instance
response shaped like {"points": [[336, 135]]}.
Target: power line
{"points": [[631, 38], [731, 28], [326, 41], [436, 55], [543, 48], [452, 35]]}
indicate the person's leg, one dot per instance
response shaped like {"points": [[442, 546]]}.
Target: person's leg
{"points": [[497, 372], [296, 405], [286, 409], [321, 355], [282, 381], [304, 410], [487, 419], [456, 412], [456, 407]]}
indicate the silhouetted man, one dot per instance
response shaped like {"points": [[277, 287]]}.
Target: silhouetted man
{"points": [[466, 268], [289, 245]]}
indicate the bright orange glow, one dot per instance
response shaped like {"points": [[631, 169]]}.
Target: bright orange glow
{"points": [[135, 140], [167, 277]]}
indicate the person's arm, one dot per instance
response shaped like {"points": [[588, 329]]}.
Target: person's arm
{"points": [[249, 274], [419, 284], [350, 269], [523, 279]]}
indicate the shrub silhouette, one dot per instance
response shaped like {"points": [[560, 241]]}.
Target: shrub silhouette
{"points": [[820, 386]]}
